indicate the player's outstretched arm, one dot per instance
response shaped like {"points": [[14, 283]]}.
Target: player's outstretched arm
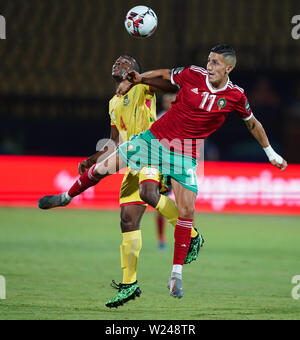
{"points": [[105, 151], [160, 79], [258, 132]]}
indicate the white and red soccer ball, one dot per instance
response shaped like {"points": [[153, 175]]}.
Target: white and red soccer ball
{"points": [[141, 22]]}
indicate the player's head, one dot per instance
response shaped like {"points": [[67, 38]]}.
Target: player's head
{"points": [[221, 61], [124, 64]]}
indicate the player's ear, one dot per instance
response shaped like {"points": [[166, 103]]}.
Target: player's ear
{"points": [[229, 68]]}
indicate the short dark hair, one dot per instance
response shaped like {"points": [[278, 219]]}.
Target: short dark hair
{"points": [[224, 49], [227, 51], [136, 66]]}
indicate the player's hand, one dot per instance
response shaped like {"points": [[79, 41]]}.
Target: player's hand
{"points": [[282, 166], [133, 76], [123, 88], [83, 166]]}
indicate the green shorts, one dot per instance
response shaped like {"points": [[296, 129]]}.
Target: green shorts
{"points": [[146, 150]]}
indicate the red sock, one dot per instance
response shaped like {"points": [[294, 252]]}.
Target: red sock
{"points": [[85, 181], [161, 222], [183, 233]]}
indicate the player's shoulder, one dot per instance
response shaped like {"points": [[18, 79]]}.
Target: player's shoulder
{"points": [[239, 91], [113, 99], [189, 69], [140, 89], [198, 70], [196, 73]]}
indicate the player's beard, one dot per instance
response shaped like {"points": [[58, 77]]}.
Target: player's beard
{"points": [[119, 77], [216, 83]]}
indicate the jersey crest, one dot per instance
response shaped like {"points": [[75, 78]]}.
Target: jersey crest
{"points": [[222, 103], [126, 101]]}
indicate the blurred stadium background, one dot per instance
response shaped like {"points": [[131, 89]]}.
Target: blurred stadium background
{"points": [[55, 83], [55, 76], [56, 62]]}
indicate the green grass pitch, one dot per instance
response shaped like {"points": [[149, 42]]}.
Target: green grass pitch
{"points": [[59, 265]]}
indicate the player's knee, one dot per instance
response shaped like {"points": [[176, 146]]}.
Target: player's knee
{"points": [[149, 193], [186, 211], [128, 222]]}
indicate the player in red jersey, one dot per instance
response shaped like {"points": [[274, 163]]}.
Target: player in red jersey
{"points": [[205, 99]]}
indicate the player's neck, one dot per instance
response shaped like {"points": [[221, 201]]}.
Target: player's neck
{"points": [[219, 85], [118, 82]]}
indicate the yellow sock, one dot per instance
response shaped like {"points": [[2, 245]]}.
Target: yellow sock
{"points": [[168, 208], [130, 249]]}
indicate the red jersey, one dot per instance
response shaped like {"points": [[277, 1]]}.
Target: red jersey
{"points": [[198, 111]]}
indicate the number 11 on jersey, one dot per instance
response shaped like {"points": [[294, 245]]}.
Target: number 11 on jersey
{"points": [[206, 97]]}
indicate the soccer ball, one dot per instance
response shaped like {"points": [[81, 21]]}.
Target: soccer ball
{"points": [[141, 22]]}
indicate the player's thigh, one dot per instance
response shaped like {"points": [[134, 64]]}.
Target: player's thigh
{"points": [[131, 216], [149, 193], [129, 192], [185, 200], [152, 184]]}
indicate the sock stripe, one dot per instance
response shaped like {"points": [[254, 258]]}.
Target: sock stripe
{"points": [[186, 224], [90, 174], [183, 222], [85, 181], [185, 219]]}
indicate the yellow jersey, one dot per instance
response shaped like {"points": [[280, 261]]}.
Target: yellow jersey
{"points": [[134, 112]]}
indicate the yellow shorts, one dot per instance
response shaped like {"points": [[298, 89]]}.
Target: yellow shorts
{"points": [[130, 193]]}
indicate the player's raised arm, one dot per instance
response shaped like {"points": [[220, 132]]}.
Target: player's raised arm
{"points": [[258, 132], [160, 79]]}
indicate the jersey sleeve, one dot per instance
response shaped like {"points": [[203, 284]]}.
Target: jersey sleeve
{"points": [[243, 109], [113, 122], [178, 75]]}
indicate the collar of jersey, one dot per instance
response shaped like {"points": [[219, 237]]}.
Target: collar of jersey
{"points": [[213, 90]]}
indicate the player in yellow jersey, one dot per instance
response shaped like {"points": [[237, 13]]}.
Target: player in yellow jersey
{"points": [[130, 115]]}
